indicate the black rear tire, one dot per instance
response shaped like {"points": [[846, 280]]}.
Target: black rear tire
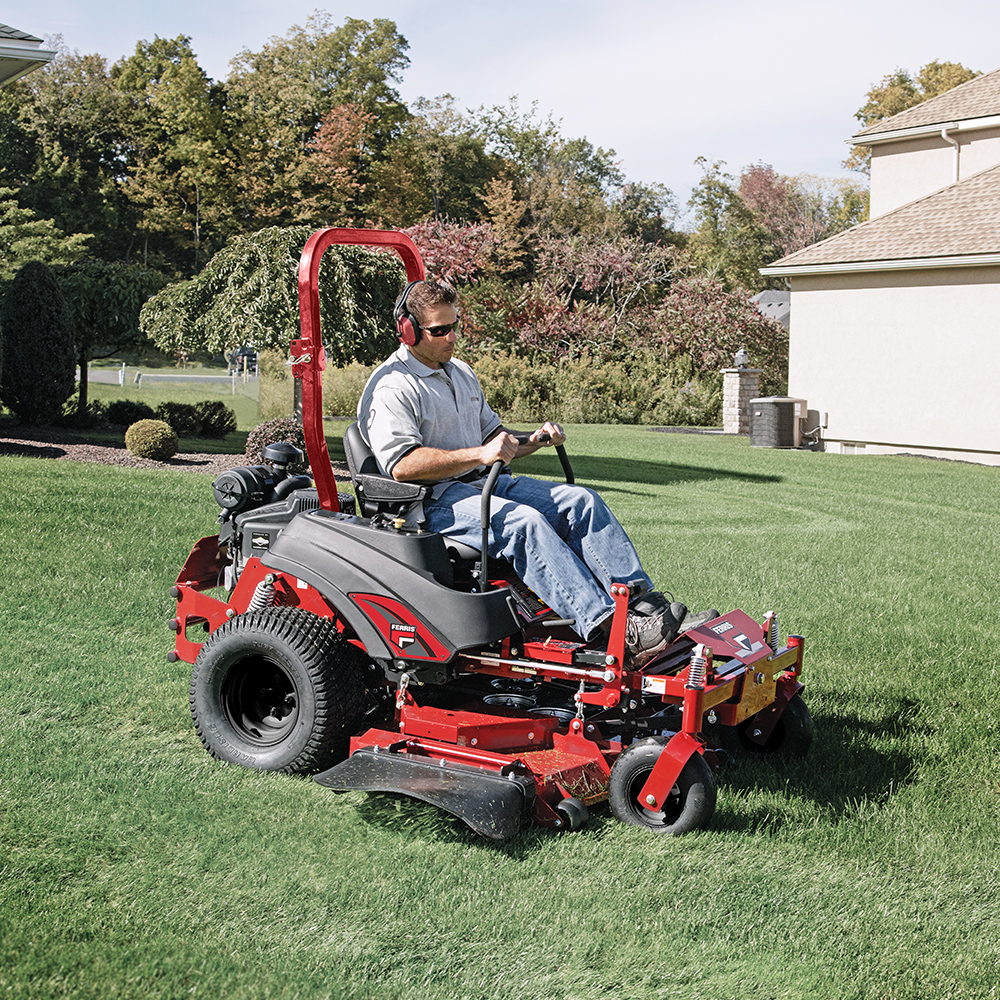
{"points": [[690, 804], [278, 690]]}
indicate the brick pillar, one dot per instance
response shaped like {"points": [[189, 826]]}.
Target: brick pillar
{"points": [[739, 386]]}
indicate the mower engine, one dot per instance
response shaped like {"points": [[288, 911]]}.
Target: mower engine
{"points": [[257, 501]]}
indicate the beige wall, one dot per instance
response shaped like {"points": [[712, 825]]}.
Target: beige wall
{"points": [[901, 361], [904, 171]]}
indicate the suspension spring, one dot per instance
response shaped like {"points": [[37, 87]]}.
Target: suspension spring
{"points": [[264, 594], [697, 669], [772, 631]]}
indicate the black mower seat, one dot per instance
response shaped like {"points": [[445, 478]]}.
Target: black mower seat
{"points": [[378, 494]]}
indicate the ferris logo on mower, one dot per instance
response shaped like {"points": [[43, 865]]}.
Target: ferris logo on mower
{"points": [[721, 627], [403, 635]]}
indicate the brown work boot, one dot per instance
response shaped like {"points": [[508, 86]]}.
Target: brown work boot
{"points": [[647, 635], [696, 618]]}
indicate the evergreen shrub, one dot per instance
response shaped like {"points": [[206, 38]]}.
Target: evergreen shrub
{"points": [[37, 350], [182, 417], [216, 419], [151, 439], [125, 412]]}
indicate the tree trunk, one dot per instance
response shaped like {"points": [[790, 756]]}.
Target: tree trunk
{"points": [[81, 404]]}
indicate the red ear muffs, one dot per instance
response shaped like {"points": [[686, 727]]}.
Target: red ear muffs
{"points": [[406, 327]]}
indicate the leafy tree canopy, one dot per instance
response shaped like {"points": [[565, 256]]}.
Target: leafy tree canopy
{"points": [[248, 294], [899, 90], [25, 237]]}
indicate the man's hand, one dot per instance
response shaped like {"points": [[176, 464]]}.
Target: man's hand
{"points": [[548, 433], [501, 447]]}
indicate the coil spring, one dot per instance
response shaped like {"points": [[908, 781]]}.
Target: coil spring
{"points": [[772, 632], [696, 671], [264, 595]]}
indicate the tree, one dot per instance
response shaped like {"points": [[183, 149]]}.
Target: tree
{"points": [[248, 294], [436, 168], [896, 92], [36, 336], [24, 237], [177, 182], [728, 242], [277, 98], [744, 225], [76, 118], [335, 154], [104, 301], [564, 183], [451, 251], [792, 218], [648, 211]]}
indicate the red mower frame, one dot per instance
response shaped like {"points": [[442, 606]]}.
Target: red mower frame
{"points": [[637, 737]]}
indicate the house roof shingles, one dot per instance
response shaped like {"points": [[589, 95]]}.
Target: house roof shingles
{"points": [[12, 34], [977, 98], [958, 221]]}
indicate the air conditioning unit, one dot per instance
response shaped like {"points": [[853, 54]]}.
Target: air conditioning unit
{"points": [[777, 421]]}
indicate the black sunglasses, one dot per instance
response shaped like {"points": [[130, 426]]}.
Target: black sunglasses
{"points": [[442, 331]]}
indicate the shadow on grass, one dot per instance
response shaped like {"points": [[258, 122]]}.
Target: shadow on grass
{"points": [[588, 468], [853, 761], [30, 451]]}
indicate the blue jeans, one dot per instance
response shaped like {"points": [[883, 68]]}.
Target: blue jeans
{"points": [[562, 541]]}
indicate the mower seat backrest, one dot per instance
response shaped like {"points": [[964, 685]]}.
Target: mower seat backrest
{"points": [[378, 494]]}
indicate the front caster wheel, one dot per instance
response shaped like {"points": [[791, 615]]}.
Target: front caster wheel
{"points": [[691, 801]]}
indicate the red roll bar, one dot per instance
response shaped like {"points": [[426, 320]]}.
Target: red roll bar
{"points": [[308, 359]]}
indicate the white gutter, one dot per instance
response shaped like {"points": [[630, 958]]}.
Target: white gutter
{"points": [[954, 142], [923, 131], [899, 264]]}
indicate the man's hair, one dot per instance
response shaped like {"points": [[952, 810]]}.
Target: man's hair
{"points": [[425, 294]]}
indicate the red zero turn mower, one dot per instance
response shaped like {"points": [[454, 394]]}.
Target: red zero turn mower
{"points": [[384, 659]]}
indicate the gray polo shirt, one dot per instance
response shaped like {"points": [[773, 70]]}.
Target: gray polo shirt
{"points": [[406, 405]]}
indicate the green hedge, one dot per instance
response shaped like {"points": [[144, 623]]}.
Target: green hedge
{"points": [[644, 390]]}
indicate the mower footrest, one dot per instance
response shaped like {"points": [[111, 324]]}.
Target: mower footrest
{"points": [[491, 804]]}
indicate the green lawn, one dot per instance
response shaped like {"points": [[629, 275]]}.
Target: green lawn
{"points": [[135, 866], [243, 402]]}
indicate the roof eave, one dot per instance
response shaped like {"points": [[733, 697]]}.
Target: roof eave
{"points": [[21, 60], [924, 131], [898, 264]]}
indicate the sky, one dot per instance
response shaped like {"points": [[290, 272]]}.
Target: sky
{"points": [[661, 82]]}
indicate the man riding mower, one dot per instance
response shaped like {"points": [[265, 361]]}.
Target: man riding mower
{"points": [[403, 645]]}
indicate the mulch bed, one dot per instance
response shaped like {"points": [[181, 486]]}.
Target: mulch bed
{"points": [[56, 443]]}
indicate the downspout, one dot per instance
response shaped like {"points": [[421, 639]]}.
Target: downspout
{"points": [[954, 142]]}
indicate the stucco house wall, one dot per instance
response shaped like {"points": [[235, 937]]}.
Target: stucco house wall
{"points": [[902, 360], [905, 170]]}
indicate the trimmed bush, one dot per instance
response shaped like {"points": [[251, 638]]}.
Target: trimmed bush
{"points": [[126, 412], [216, 419], [282, 429], [182, 417], [37, 351], [151, 439]]}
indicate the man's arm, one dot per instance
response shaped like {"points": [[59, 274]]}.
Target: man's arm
{"points": [[424, 464]]}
